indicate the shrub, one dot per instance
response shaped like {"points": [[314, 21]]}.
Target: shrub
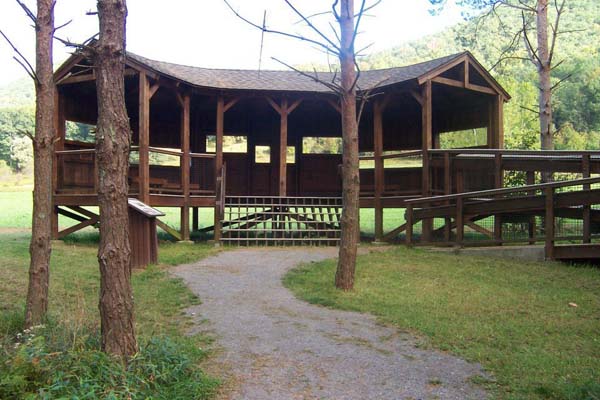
{"points": [[50, 362]]}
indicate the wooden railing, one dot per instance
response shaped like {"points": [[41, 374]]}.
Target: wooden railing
{"points": [[548, 200], [81, 176]]}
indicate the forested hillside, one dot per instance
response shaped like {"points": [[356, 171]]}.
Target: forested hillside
{"points": [[576, 100]]}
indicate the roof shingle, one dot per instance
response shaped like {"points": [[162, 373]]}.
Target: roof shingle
{"points": [[283, 80]]}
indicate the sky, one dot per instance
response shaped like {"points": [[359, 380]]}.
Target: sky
{"points": [[206, 33]]}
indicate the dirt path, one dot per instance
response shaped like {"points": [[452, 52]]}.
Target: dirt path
{"points": [[278, 347]]}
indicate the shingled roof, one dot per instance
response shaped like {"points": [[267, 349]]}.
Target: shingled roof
{"points": [[283, 80]]}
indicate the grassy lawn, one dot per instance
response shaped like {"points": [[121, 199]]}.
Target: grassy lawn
{"points": [[74, 285], [16, 213], [513, 317]]}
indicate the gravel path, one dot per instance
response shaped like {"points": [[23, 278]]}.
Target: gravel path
{"points": [[278, 347]]}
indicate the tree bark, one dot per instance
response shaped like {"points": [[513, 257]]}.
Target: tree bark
{"points": [[41, 228], [543, 65], [112, 148], [344, 277]]}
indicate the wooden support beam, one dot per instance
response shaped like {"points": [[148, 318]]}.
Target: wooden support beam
{"points": [[59, 144], [144, 138], [230, 104], [335, 104], [409, 225], [218, 163], [466, 71], [79, 226], [378, 109], [171, 231], [447, 191], [498, 184], [549, 242], [153, 89], [282, 157], [460, 225], [531, 181], [185, 161], [426, 145], [585, 170], [417, 96]]}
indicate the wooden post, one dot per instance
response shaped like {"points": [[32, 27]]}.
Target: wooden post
{"points": [[427, 139], [549, 246], [59, 144], [460, 224], [532, 228], [499, 107], [283, 132], [379, 171], [185, 166], [448, 189], [218, 161], [496, 123], [498, 183], [195, 219], [144, 138], [409, 225], [585, 170]]}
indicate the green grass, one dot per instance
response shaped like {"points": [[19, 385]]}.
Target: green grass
{"points": [[513, 317], [16, 213], [160, 301]]}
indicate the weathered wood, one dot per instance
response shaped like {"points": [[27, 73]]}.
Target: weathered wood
{"points": [[219, 160], [498, 183], [426, 145], [185, 163], [459, 218], [585, 169], [549, 242], [378, 109], [144, 138], [282, 151], [447, 191], [59, 142], [171, 231], [530, 180]]}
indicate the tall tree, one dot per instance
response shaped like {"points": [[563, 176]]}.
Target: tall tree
{"points": [[40, 248], [344, 275], [113, 139], [342, 45], [540, 52]]}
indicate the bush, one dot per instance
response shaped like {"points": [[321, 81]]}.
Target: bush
{"points": [[50, 362]]}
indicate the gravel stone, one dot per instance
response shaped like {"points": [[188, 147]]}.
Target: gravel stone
{"points": [[274, 346]]}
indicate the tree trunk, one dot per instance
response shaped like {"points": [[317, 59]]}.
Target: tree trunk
{"points": [[41, 228], [545, 86], [344, 277], [112, 146]]}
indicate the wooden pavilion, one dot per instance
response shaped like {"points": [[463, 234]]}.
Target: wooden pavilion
{"points": [[188, 114]]}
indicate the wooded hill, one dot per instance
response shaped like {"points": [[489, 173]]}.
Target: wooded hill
{"points": [[576, 100]]}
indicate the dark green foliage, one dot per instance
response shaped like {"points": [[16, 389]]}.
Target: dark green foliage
{"points": [[50, 362]]}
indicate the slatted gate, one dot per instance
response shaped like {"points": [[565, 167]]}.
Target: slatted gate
{"points": [[281, 221]]}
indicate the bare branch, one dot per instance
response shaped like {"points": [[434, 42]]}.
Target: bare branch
{"points": [[310, 25], [63, 25], [560, 81], [25, 133], [559, 11], [331, 85], [21, 59], [28, 12], [286, 34], [537, 112], [530, 49]]}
